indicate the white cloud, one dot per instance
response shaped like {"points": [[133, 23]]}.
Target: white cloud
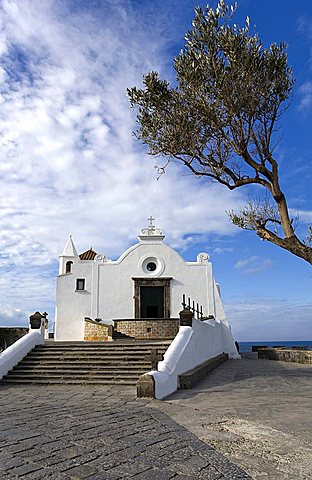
{"points": [[10, 316], [219, 250], [305, 91], [254, 264], [304, 216], [68, 161], [269, 319]]}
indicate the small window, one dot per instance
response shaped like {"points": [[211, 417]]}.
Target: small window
{"points": [[80, 284], [68, 267], [151, 266]]}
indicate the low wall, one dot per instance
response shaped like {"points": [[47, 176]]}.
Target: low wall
{"points": [[192, 377], [256, 348], [294, 356], [96, 332], [16, 352], [192, 346], [159, 328]]}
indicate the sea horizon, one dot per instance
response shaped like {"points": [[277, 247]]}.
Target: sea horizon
{"points": [[246, 346]]}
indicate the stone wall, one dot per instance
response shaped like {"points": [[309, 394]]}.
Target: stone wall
{"points": [[195, 375], [96, 332], [150, 329], [9, 335], [295, 356]]}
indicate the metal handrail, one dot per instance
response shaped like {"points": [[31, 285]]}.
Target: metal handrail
{"points": [[190, 305]]}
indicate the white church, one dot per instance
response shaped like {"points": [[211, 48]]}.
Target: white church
{"points": [[147, 285]]}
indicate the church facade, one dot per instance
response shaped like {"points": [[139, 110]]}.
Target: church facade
{"points": [[149, 281]]}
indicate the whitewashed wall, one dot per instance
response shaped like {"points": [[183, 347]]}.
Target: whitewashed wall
{"points": [[12, 355], [191, 347], [117, 287], [71, 305], [110, 289]]}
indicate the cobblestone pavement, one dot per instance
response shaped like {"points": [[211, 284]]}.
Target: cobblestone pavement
{"points": [[256, 412], [83, 432]]}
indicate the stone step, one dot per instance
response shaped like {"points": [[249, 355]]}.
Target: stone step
{"points": [[95, 352], [86, 345], [84, 371], [93, 355], [94, 349], [79, 364], [97, 357], [141, 341], [105, 364], [63, 376], [101, 356], [47, 381], [89, 351], [121, 336]]}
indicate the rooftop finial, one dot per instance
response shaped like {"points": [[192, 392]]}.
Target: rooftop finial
{"points": [[151, 219], [151, 233]]}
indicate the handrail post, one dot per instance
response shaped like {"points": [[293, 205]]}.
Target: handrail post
{"points": [[186, 318]]}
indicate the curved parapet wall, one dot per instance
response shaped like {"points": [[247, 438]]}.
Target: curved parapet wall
{"points": [[192, 346]]}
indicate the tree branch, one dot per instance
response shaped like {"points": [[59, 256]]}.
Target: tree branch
{"points": [[292, 244]]}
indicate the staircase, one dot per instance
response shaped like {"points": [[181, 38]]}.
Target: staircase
{"points": [[107, 363]]}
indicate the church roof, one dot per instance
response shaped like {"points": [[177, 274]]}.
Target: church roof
{"points": [[70, 249], [88, 255]]}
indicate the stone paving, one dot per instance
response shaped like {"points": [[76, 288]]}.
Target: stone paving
{"points": [[83, 432], [256, 412]]}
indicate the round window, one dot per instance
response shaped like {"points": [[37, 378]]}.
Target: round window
{"points": [[151, 266]]}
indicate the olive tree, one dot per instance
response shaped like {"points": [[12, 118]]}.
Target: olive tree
{"points": [[220, 118]]}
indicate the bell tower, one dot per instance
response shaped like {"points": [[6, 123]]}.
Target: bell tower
{"points": [[67, 257]]}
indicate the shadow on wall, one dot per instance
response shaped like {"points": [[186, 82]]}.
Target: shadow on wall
{"points": [[9, 335]]}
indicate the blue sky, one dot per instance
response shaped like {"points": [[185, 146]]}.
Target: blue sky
{"points": [[70, 165]]}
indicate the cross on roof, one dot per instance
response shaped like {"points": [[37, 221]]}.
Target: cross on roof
{"points": [[151, 219]]}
